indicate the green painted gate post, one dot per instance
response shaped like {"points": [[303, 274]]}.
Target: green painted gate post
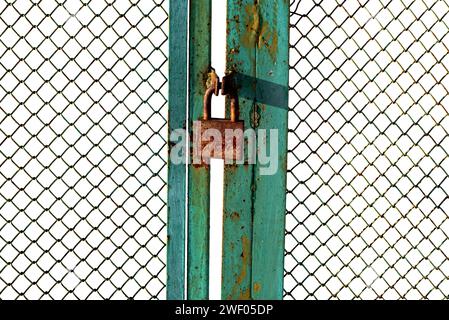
{"points": [[238, 179], [270, 190], [199, 175], [176, 220], [254, 204], [198, 67]]}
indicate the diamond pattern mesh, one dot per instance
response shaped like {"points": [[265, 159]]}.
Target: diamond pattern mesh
{"points": [[83, 113], [367, 194]]}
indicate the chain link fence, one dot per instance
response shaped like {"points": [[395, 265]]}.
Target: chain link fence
{"points": [[367, 194], [83, 109]]}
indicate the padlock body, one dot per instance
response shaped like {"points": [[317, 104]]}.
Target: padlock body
{"points": [[219, 139]]}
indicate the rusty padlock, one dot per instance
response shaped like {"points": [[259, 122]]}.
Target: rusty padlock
{"points": [[230, 131]]}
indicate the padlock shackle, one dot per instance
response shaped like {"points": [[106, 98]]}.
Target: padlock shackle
{"points": [[207, 101], [214, 89]]}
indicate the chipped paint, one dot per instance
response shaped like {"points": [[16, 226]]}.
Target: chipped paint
{"points": [[245, 258], [258, 33], [243, 294], [235, 216], [268, 38], [255, 116], [264, 35], [252, 24], [273, 48]]}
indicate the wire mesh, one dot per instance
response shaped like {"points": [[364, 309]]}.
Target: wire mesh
{"points": [[367, 193], [83, 114]]}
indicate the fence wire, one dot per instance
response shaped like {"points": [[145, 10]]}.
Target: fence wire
{"points": [[83, 149], [367, 194]]}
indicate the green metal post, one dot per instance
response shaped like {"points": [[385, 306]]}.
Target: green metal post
{"points": [[269, 190], [238, 179], [254, 203], [199, 175], [178, 18]]}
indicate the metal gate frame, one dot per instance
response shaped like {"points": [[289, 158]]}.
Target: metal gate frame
{"points": [[254, 205]]}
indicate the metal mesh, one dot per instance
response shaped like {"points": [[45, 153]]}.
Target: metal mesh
{"points": [[83, 149], [367, 194]]}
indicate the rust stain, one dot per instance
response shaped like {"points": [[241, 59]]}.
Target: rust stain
{"points": [[230, 168], [260, 33], [264, 35], [243, 294], [257, 287], [252, 24], [245, 258], [200, 166], [235, 216], [273, 48], [269, 39], [235, 50]]}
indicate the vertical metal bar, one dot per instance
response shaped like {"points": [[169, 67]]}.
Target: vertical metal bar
{"points": [[199, 175], [242, 26], [177, 172], [269, 190]]}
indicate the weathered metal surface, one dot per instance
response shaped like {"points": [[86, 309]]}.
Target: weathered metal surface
{"points": [[269, 190], [177, 172], [254, 204], [242, 26], [198, 176]]}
